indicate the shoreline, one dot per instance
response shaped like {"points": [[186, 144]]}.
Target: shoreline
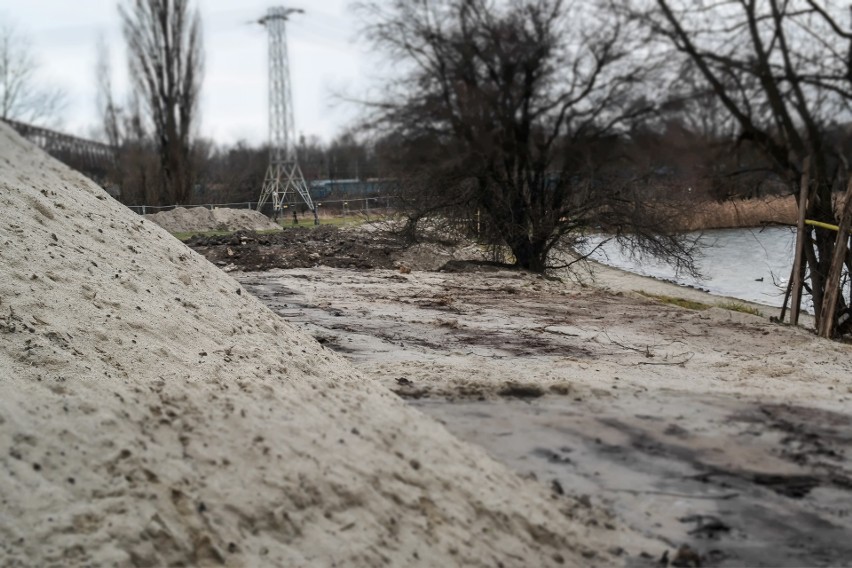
{"points": [[614, 279]]}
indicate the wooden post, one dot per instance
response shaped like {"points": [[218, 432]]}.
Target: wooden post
{"points": [[838, 258], [786, 298], [798, 272]]}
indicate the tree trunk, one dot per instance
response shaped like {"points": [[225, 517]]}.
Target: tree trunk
{"points": [[529, 254], [798, 268], [827, 317]]}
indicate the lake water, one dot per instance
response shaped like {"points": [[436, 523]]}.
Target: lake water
{"points": [[749, 264]]}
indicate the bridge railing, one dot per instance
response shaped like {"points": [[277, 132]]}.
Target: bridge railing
{"points": [[87, 155], [149, 209]]}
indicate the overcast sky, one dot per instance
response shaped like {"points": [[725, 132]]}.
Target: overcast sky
{"points": [[325, 57]]}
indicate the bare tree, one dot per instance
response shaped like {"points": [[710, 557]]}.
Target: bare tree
{"points": [[22, 98], [135, 168], [110, 112], [166, 63], [782, 71], [510, 111]]}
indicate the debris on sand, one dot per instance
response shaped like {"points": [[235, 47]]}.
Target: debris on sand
{"points": [[365, 247], [153, 414], [298, 247], [519, 390]]}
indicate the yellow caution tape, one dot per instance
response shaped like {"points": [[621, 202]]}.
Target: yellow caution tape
{"points": [[822, 225]]}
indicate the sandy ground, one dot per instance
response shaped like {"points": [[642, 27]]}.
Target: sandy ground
{"points": [[154, 413], [189, 219], [712, 429]]}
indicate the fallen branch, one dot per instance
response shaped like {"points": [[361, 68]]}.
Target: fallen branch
{"points": [[487, 356], [723, 497], [672, 363], [646, 350]]}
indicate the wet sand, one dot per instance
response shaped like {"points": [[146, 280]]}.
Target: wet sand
{"points": [[715, 429], [741, 483]]}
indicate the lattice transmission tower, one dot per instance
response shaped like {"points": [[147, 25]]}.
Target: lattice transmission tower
{"points": [[284, 182]]}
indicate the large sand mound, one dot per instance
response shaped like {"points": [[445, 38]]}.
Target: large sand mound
{"points": [[153, 413], [187, 220]]}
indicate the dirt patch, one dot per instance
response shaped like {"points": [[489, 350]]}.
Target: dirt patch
{"points": [[365, 247], [474, 266], [300, 248], [516, 390]]}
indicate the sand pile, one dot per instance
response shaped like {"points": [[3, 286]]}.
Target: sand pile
{"points": [[153, 413], [185, 220]]}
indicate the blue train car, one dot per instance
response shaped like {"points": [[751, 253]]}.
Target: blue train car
{"points": [[351, 188]]}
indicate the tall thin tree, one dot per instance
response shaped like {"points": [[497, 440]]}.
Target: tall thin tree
{"points": [[166, 64]]}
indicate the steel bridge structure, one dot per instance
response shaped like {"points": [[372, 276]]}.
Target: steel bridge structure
{"points": [[87, 156]]}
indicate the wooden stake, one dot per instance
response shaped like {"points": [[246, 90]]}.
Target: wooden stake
{"points": [[786, 298], [798, 273]]}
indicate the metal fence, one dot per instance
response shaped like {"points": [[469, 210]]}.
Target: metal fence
{"points": [[146, 209]]}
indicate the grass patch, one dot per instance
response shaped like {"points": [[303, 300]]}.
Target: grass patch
{"points": [[306, 221], [351, 221], [692, 305], [675, 301], [185, 236], [739, 307]]}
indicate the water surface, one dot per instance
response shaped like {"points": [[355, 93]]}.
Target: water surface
{"points": [[749, 264]]}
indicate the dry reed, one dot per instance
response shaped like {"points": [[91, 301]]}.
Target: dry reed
{"points": [[736, 214]]}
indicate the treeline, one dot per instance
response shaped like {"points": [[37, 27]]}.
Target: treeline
{"points": [[671, 162], [235, 173]]}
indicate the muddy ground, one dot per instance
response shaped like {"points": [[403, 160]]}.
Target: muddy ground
{"points": [[715, 431], [299, 247]]}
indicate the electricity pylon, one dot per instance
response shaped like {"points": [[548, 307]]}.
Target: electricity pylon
{"points": [[284, 180]]}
